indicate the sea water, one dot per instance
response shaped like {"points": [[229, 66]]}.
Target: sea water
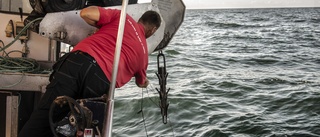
{"points": [[235, 73]]}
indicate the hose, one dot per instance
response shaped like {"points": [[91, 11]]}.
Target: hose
{"points": [[8, 64], [20, 33], [18, 64]]}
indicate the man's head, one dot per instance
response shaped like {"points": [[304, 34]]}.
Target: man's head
{"points": [[151, 21]]}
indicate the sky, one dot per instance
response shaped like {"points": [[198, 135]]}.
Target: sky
{"points": [[213, 4]]}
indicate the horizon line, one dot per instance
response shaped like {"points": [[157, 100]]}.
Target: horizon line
{"points": [[271, 7]]}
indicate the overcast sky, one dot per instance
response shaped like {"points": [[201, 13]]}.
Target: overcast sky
{"points": [[196, 4]]}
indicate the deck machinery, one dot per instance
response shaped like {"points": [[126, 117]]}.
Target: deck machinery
{"points": [[59, 20]]}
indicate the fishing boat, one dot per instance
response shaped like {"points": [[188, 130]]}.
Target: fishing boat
{"points": [[38, 32]]}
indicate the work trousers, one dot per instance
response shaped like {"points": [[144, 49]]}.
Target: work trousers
{"points": [[76, 75]]}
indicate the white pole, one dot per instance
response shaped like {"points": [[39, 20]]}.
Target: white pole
{"points": [[107, 124]]}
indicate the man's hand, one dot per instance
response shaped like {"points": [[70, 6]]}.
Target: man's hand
{"points": [[146, 83]]}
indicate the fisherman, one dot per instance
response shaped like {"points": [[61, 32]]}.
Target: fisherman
{"points": [[86, 71]]}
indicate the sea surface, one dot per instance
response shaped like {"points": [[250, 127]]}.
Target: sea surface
{"points": [[232, 73]]}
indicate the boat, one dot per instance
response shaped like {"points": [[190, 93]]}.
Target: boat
{"points": [[42, 31]]}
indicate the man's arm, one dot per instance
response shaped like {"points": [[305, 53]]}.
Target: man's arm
{"points": [[91, 15]]}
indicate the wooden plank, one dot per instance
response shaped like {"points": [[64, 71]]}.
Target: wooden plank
{"points": [[24, 82], [12, 116]]}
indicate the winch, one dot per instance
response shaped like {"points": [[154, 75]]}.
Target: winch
{"points": [[82, 117]]}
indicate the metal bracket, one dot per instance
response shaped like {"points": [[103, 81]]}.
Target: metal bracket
{"points": [[76, 29], [163, 92]]}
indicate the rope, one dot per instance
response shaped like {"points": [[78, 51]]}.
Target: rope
{"points": [[18, 64], [141, 111], [8, 64], [150, 98], [4, 52], [171, 126], [20, 33], [143, 119]]}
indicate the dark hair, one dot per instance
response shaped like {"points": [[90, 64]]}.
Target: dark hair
{"points": [[151, 18]]}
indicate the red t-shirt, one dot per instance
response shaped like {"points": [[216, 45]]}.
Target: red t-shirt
{"points": [[134, 52]]}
